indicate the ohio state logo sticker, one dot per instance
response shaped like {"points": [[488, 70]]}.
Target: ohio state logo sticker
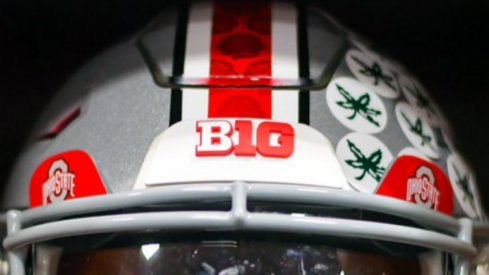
{"points": [[65, 176], [60, 183], [418, 181]]}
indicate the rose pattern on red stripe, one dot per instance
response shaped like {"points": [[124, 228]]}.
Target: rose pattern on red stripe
{"points": [[241, 55], [241, 46]]}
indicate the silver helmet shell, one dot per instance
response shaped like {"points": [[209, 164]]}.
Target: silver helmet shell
{"points": [[156, 120]]}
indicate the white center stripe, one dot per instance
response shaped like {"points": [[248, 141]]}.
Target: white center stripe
{"points": [[195, 102], [285, 63]]}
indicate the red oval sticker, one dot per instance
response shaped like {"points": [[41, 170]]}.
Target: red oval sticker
{"points": [[65, 176], [418, 181]]}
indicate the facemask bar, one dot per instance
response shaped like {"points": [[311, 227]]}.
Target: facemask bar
{"points": [[453, 236]]}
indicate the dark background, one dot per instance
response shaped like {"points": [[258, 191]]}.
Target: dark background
{"points": [[444, 42]]}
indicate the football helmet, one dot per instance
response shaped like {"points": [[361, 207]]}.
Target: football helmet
{"points": [[243, 138]]}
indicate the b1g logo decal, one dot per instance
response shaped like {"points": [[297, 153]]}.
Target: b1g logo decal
{"points": [[65, 176], [251, 150], [418, 181], [273, 139]]}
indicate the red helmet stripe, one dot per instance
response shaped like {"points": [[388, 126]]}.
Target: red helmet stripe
{"points": [[241, 43], [241, 50]]}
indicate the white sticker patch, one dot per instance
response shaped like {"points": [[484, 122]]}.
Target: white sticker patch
{"points": [[183, 154], [417, 130], [355, 106], [410, 151], [463, 184], [364, 160], [373, 73], [419, 100]]}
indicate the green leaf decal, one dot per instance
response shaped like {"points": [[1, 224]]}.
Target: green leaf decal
{"points": [[463, 182], [364, 100], [418, 126], [417, 129], [375, 71], [370, 165], [376, 157], [359, 106]]}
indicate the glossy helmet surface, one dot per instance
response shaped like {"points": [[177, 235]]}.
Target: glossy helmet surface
{"points": [[250, 135]]}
